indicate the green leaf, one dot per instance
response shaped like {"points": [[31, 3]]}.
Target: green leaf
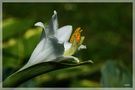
{"points": [[18, 78]]}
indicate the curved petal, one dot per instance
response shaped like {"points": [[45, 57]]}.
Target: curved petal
{"points": [[40, 24], [50, 51], [69, 57], [39, 48], [82, 47], [55, 20], [43, 34], [63, 33], [53, 25], [72, 57]]}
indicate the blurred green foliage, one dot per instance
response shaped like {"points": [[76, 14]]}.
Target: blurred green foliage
{"points": [[107, 28]]}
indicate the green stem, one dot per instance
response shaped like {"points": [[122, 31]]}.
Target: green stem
{"points": [[18, 78]]}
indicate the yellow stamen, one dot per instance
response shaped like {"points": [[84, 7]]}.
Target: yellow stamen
{"points": [[76, 35]]}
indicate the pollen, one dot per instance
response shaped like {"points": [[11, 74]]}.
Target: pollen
{"points": [[76, 35]]}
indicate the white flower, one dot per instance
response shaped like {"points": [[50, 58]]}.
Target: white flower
{"points": [[54, 45]]}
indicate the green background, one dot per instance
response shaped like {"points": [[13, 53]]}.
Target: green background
{"points": [[107, 28]]}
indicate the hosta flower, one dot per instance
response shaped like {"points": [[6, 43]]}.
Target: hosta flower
{"points": [[55, 44]]}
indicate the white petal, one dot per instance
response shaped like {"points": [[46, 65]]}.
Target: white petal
{"points": [[43, 34], [55, 12], [55, 20], [71, 57], [50, 51], [63, 34], [82, 47], [39, 48], [67, 58], [67, 46], [53, 25], [40, 24]]}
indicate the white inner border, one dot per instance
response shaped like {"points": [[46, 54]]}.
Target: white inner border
{"points": [[72, 1]]}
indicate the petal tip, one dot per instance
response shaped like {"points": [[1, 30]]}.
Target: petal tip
{"points": [[82, 47], [90, 61], [39, 24], [69, 27], [54, 12]]}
